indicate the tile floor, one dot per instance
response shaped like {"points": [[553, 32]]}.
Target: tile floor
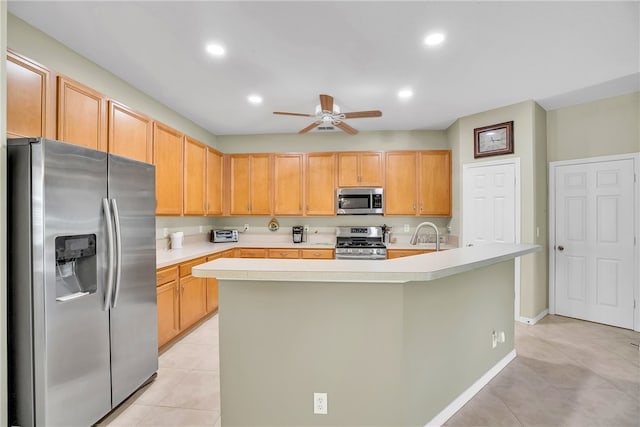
{"points": [[567, 373]]}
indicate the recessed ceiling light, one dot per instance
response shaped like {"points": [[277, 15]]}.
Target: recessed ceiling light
{"points": [[434, 39], [255, 99], [215, 49], [405, 93]]}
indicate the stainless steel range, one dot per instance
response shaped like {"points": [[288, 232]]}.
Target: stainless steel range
{"points": [[360, 243]]}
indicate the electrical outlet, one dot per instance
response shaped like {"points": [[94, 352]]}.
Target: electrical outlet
{"points": [[501, 337], [201, 228], [306, 228], [407, 228], [165, 232], [494, 339], [320, 404]]}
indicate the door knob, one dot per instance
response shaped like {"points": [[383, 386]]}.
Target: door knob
{"points": [[561, 248]]}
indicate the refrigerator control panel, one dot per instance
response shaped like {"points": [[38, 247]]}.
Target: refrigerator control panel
{"points": [[72, 247]]}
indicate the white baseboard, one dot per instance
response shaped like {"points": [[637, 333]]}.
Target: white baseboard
{"points": [[536, 319], [468, 394]]}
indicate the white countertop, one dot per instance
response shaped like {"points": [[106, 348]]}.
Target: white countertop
{"points": [[167, 257], [400, 270]]}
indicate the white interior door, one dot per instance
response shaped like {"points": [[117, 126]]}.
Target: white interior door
{"points": [[489, 203], [594, 241], [491, 208]]}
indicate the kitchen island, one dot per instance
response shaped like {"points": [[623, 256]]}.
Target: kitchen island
{"points": [[395, 342]]}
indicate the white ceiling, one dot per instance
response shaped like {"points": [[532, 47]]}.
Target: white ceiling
{"points": [[362, 53]]}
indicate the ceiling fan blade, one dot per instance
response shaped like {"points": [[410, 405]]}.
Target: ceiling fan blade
{"points": [[293, 114], [311, 126], [345, 127], [361, 114], [326, 103]]}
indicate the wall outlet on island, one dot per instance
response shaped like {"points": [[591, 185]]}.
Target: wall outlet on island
{"points": [[320, 404]]}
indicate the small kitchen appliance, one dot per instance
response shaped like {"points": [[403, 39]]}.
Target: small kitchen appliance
{"points": [[360, 243], [222, 236], [297, 232], [177, 239]]}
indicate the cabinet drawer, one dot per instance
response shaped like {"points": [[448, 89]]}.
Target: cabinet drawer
{"points": [[185, 267], [284, 253], [250, 253], [317, 253], [166, 275], [399, 253]]}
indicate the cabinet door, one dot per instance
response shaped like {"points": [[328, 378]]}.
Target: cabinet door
{"points": [[29, 111], [401, 253], [320, 185], [400, 186], [240, 184], [214, 182], [167, 156], [82, 115], [130, 133], [371, 169], [195, 175], [193, 300], [260, 184], [435, 182], [212, 285], [348, 173], [287, 186], [168, 312]]}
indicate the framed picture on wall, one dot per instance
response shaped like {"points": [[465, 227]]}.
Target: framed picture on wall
{"points": [[493, 140]]}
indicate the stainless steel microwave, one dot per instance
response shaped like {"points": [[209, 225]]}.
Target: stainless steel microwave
{"points": [[359, 201]]}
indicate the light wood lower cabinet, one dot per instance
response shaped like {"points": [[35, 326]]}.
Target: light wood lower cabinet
{"points": [[168, 304], [284, 253], [249, 253], [212, 283], [317, 253], [193, 294], [399, 253]]}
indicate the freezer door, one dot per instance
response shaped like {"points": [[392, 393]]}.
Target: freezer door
{"points": [[71, 330], [134, 336]]}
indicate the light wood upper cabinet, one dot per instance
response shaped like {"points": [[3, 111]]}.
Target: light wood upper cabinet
{"points": [[360, 169], [287, 186], [130, 133], [400, 190], [82, 115], [418, 183], [30, 111], [435, 182], [195, 176], [214, 182], [167, 156], [250, 184], [320, 184]]}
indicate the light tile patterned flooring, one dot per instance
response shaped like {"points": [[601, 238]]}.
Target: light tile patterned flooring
{"points": [[567, 373]]}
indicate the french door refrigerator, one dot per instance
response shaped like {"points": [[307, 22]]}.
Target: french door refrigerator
{"points": [[81, 281]]}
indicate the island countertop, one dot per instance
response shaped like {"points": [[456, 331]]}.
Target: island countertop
{"points": [[400, 270]]}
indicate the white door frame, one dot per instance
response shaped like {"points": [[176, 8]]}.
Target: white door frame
{"points": [[552, 226], [515, 161]]}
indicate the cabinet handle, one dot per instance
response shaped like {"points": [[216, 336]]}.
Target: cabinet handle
{"points": [[182, 289], [414, 207]]}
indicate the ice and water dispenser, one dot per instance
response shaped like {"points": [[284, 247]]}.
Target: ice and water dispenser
{"points": [[76, 266]]}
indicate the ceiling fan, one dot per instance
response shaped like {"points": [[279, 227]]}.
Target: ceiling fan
{"points": [[328, 114]]}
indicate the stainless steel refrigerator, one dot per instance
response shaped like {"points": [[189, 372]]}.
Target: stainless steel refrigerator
{"points": [[81, 281]]}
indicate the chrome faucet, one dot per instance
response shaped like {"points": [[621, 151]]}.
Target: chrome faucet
{"points": [[414, 237]]}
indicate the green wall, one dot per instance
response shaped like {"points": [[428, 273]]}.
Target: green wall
{"points": [[599, 128]]}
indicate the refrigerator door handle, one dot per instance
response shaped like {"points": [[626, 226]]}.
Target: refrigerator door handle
{"points": [[109, 284], [116, 217]]}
